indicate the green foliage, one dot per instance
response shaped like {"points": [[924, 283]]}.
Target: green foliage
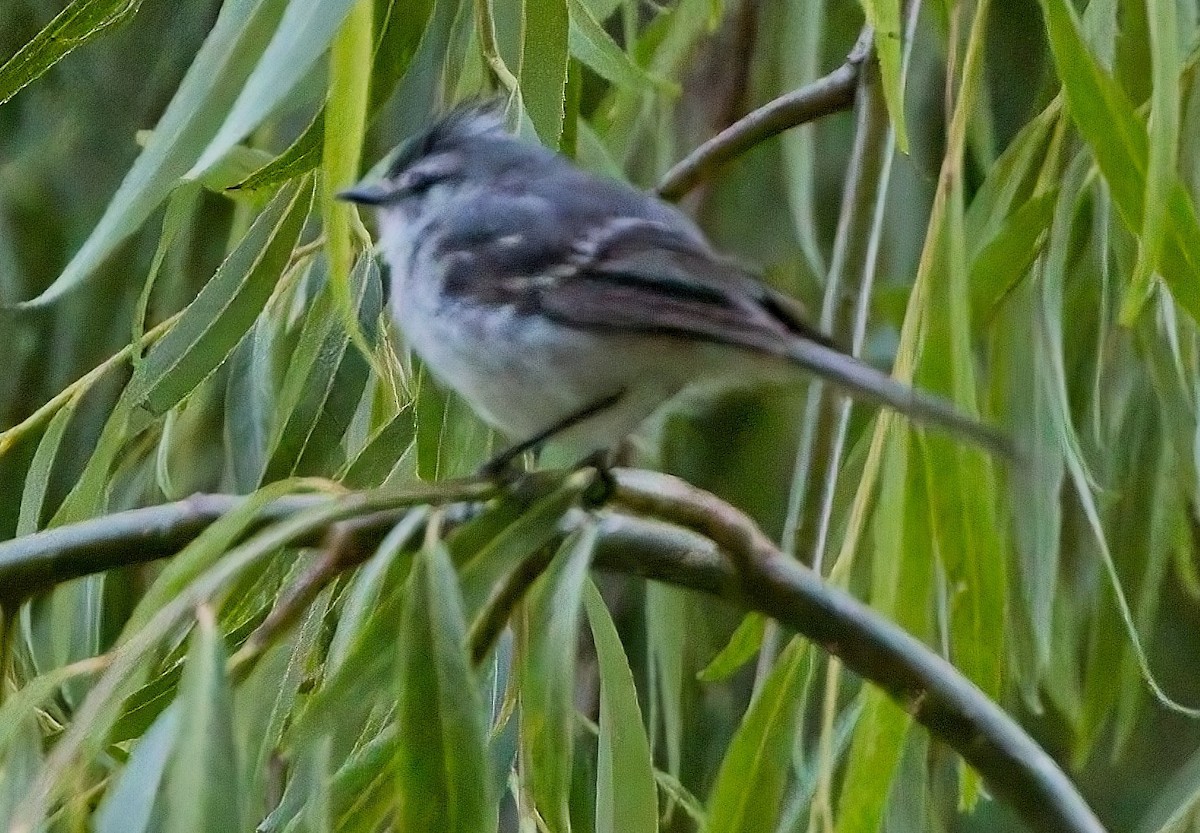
{"points": [[187, 309]]}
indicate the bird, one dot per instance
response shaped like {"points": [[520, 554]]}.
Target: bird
{"points": [[568, 307]]}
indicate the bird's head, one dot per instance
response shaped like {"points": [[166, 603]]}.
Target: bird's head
{"points": [[465, 148]]}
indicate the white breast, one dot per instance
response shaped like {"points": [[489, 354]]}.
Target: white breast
{"points": [[523, 373]]}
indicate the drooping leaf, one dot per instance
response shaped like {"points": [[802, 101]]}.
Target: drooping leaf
{"points": [[202, 783], [191, 119], [216, 321], [626, 795], [441, 765], [748, 793], [550, 637], [71, 28]]}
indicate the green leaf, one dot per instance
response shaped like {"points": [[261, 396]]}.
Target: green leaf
{"points": [[202, 785], [543, 72], [668, 639], [376, 462], [193, 116], [302, 36], [742, 647], [37, 479], [203, 551], [593, 46], [346, 108], [884, 17], [70, 29], [324, 382], [533, 529], [399, 37], [226, 307], [901, 584], [626, 795], [1008, 256], [1118, 137], [550, 631], [441, 766], [1163, 152], [748, 793], [128, 806], [300, 157]]}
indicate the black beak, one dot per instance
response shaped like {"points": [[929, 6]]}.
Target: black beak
{"points": [[374, 193]]}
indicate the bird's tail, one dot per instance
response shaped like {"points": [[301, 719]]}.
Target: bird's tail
{"points": [[862, 381]]}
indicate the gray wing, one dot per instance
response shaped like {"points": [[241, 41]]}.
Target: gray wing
{"points": [[647, 276], [643, 275]]}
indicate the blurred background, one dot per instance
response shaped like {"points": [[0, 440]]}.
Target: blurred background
{"points": [[1062, 348]]}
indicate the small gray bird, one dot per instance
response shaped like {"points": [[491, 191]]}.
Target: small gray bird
{"points": [[565, 306]]}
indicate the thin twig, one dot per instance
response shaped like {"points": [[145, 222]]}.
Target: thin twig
{"points": [[831, 93]]}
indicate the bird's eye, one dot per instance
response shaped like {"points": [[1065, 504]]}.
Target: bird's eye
{"points": [[418, 182], [427, 173]]}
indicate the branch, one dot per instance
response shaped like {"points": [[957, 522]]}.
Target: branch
{"points": [[688, 538], [930, 689], [831, 93]]}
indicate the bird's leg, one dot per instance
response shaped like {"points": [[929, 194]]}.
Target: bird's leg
{"points": [[500, 465]]}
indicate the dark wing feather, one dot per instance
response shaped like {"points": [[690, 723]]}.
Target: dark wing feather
{"points": [[649, 277]]}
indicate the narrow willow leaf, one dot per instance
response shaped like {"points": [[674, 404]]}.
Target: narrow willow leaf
{"points": [[801, 33], [193, 116], [748, 793], [347, 691], [37, 478], [667, 638], [128, 806], [34, 694], [399, 37], [550, 637], [300, 157], [535, 528], [901, 584], [202, 785], [543, 72], [286, 693], [595, 48], [361, 789], [374, 464], [1008, 256], [226, 307], [346, 106], [75, 25], [1163, 151], [451, 440], [21, 764], [626, 794], [1011, 181], [325, 381], [302, 36], [441, 766], [386, 567], [663, 48], [741, 648], [884, 17], [1118, 137], [180, 207], [204, 550]]}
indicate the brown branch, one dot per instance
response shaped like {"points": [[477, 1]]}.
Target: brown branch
{"points": [[831, 93], [689, 538]]}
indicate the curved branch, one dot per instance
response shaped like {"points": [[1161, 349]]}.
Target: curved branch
{"points": [[830, 93], [689, 538]]}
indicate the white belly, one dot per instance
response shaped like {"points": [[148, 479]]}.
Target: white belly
{"points": [[523, 374]]}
